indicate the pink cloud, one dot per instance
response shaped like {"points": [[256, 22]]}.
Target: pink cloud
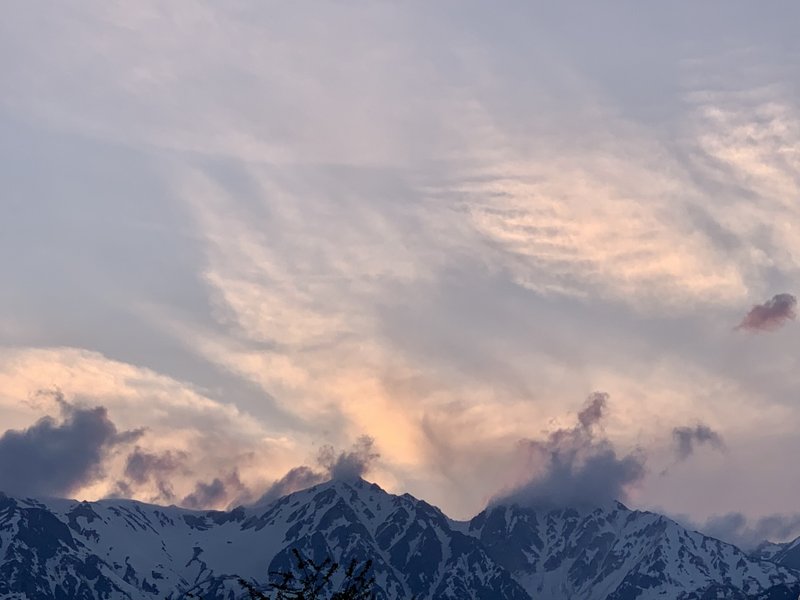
{"points": [[770, 315]]}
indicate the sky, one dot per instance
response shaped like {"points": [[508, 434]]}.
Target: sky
{"points": [[469, 250]]}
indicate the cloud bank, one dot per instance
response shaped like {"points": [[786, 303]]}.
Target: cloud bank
{"points": [[184, 435], [737, 529]]}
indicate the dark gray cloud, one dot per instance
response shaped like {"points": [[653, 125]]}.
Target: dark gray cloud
{"points": [[688, 438], [206, 495], [592, 413], [350, 465], [576, 466], [771, 315], [142, 467], [217, 493], [295, 480], [55, 458], [736, 529], [342, 466]]}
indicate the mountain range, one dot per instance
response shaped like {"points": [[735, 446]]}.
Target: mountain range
{"points": [[126, 550]]}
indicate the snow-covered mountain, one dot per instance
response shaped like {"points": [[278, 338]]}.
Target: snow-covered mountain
{"points": [[786, 554], [614, 553], [125, 549], [121, 549]]}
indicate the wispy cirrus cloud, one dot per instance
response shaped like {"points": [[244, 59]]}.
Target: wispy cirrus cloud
{"points": [[404, 230]]}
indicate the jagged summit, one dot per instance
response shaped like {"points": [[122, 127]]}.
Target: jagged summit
{"points": [[357, 485], [615, 554], [785, 553], [133, 550], [583, 508]]}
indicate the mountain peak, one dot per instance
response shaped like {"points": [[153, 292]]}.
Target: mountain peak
{"points": [[125, 550], [615, 554], [551, 507], [349, 489]]}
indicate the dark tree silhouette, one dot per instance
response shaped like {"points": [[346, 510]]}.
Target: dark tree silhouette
{"points": [[315, 581]]}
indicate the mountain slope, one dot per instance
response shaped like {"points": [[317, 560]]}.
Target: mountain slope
{"points": [[125, 549], [617, 554], [786, 553]]}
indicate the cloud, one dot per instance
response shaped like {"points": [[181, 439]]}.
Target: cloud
{"points": [[311, 256], [592, 413], [206, 494], [288, 310], [576, 467], [350, 465], [182, 435], [687, 438], [142, 467], [736, 529], [771, 315], [343, 466], [160, 468], [298, 478], [217, 493], [55, 458]]}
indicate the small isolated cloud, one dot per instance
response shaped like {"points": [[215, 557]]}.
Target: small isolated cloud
{"points": [[688, 438], [771, 315], [736, 529], [576, 466], [55, 458]]}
